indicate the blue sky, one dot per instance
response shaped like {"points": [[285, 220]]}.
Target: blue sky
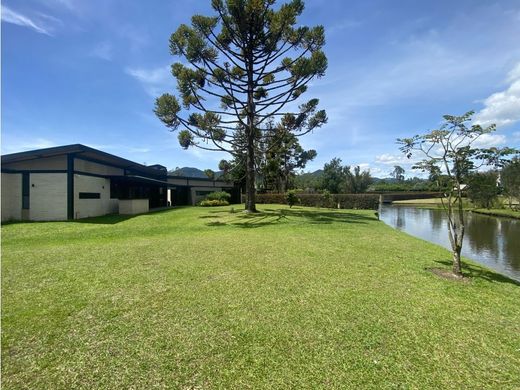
{"points": [[89, 71]]}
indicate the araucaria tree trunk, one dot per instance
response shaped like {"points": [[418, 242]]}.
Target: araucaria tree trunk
{"points": [[241, 67]]}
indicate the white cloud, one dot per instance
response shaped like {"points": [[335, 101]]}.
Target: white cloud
{"points": [[155, 81], [13, 17], [392, 159], [489, 140], [103, 51], [502, 108], [374, 170]]}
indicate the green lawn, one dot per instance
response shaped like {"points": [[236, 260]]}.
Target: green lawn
{"points": [[436, 203], [197, 298], [499, 212]]}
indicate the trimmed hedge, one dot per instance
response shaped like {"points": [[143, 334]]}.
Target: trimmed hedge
{"points": [[213, 203], [392, 196], [342, 201]]}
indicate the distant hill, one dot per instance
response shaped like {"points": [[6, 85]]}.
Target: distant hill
{"points": [[188, 172], [192, 172], [317, 173]]}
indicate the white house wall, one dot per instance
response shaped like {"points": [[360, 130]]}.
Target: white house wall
{"points": [[11, 196], [48, 196], [84, 208]]}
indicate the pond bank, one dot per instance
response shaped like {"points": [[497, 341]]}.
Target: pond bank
{"points": [[489, 240]]}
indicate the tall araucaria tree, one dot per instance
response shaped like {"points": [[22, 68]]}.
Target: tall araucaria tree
{"points": [[243, 67], [451, 150]]}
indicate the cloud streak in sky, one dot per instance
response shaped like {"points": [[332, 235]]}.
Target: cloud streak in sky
{"points": [[155, 81], [13, 17]]}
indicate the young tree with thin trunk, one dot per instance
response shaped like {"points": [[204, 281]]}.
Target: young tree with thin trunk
{"points": [[450, 149], [242, 69]]}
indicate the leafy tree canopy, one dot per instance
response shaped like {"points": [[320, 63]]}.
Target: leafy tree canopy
{"points": [[241, 67]]}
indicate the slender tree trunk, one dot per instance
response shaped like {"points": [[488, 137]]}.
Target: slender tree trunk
{"points": [[456, 231], [250, 179], [457, 266], [250, 136]]}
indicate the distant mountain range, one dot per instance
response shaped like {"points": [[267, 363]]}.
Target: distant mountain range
{"points": [[198, 173], [188, 172], [318, 173], [191, 172]]}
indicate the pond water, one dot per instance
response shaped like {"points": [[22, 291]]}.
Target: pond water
{"points": [[490, 241]]}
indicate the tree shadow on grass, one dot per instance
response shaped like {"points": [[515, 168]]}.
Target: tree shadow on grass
{"points": [[476, 272], [269, 217], [113, 219]]}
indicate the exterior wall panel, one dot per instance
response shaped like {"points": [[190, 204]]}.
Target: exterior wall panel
{"points": [[99, 169], [133, 206], [45, 163], [11, 196], [84, 208], [48, 197]]}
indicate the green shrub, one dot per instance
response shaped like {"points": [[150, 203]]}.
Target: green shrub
{"points": [[291, 198], [345, 201], [482, 189], [327, 199], [219, 195], [213, 203]]}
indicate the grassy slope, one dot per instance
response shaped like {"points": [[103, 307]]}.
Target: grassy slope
{"points": [[202, 298], [499, 212]]}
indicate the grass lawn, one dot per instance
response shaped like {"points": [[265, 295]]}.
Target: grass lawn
{"points": [[430, 203], [196, 298], [435, 203], [499, 212]]}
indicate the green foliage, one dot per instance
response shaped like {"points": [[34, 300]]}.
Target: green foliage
{"points": [[326, 197], [345, 201], [308, 181], [240, 67], [450, 149], [398, 173], [281, 156], [510, 180], [291, 198], [356, 182], [333, 176], [210, 174], [219, 195], [213, 203], [338, 178], [405, 186], [482, 188]]}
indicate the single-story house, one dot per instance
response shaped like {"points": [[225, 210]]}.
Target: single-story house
{"points": [[76, 181]]}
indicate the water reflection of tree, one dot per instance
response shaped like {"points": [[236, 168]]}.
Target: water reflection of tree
{"points": [[400, 221], [483, 233], [510, 238], [437, 220]]}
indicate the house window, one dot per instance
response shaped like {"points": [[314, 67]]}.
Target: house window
{"points": [[89, 195], [203, 193]]}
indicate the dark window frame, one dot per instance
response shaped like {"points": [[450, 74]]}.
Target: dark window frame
{"points": [[89, 195], [26, 191]]}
